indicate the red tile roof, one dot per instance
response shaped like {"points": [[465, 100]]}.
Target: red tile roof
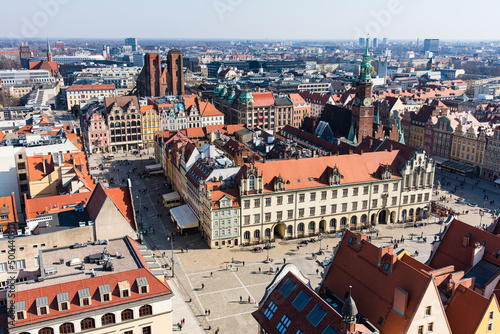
{"points": [[90, 87], [8, 208], [121, 197], [452, 252], [208, 109], [466, 310], [51, 204], [156, 288], [263, 99], [122, 101], [315, 172], [36, 166], [374, 274]]}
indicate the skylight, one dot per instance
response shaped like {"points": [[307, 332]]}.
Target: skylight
{"points": [[301, 301], [316, 315], [287, 288]]}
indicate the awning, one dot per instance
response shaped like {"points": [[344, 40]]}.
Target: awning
{"points": [[171, 196], [457, 167], [439, 160], [184, 217]]}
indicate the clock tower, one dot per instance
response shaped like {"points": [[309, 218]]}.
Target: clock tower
{"points": [[362, 106]]}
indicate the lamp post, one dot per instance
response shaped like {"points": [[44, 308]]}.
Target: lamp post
{"points": [[320, 237], [171, 239], [268, 245], [481, 214]]}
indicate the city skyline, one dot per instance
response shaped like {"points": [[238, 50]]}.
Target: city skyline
{"points": [[258, 20]]}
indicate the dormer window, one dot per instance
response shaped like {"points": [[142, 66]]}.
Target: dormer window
{"points": [[251, 182], [20, 310], [42, 305], [63, 301], [124, 287], [105, 292], [84, 295], [142, 285]]}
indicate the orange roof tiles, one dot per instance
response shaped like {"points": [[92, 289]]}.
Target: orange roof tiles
{"points": [[39, 166], [121, 197], [51, 204], [313, 172], [208, 109], [8, 209], [1, 135], [90, 87], [156, 288], [121, 100], [452, 252], [465, 310], [374, 274], [263, 99]]}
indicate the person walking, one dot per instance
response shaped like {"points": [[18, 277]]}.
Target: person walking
{"points": [[241, 299], [249, 300], [260, 270], [211, 274], [202, 285]]}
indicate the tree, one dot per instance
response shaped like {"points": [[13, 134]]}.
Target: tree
{"points": [[8, 64], [6, 100]]}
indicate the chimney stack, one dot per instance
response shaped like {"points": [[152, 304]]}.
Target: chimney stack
{"points": [[390, 148]]}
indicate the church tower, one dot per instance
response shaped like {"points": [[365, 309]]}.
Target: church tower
{"points": [[362, 106], [49, 53]]}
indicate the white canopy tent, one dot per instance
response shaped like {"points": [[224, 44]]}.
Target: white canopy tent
{"points": [[184, 217]]}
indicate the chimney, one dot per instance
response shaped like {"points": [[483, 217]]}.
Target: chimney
{"points": [[466, 241], [361, 152], [289, 156], [390, 148], [297, 157], [370, 142], [44, 167], [350, 151]]}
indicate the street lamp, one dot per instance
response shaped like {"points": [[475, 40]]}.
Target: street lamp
{"points": [[171, 239], [268, 245], [481, 214], [320, 237]]}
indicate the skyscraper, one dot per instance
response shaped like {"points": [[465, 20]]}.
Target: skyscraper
{"points": [[132, 42], [431, 45]]}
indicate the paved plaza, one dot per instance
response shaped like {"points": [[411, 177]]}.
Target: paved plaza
{"points": [[215, 279]]}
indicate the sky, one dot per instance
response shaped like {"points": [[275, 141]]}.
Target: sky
{"points": [[457, 20]]}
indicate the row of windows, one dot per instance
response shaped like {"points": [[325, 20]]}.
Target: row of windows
{"points": [[224, 232], [106, 319]]}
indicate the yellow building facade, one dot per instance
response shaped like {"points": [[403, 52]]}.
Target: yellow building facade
{"points": [[150, 125]]}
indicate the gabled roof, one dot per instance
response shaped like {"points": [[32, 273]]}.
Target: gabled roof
{"points": [[39, 166], [451, 250], [290, 295], [466, 310], [51, 204], [122, 101], [375, 274], [121, 197]]}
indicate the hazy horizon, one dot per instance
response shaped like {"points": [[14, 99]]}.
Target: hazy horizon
{"points": [[259, 20]]}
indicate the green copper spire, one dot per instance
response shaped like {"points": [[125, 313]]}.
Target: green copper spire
{"points": [[48, 45], [365, 69], [351, 136]]}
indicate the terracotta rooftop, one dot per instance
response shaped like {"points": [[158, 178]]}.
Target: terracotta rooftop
{"points": [[263, 99], [51, 204], [90, 87]]}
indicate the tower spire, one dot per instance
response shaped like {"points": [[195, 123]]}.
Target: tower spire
{"points": [[49, 53], [365, 68]]}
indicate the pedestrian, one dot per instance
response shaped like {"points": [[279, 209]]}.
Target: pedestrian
{"points": [[249, 300], [211, 274], [260, 270], [206, 312], [241, 299], [217, 330], [202, 285], [317, 271], [284, 260], [243, 263]]}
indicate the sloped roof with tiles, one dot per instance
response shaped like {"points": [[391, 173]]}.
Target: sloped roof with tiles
{"points": [[43, 205], [290, 304], [39, 166], [376, 275], [452, 251], [466, 310], [90, 87], [156, 288], [315, 172], [263, 99]]}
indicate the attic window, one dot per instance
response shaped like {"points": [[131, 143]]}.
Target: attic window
{"points": [[63, 301], [105, 292], [124, 287], [84, 295], [350, 240], [20, 309], [310, 180], [142, 285], [42, 305], [380, 321], [386, 266], [298, 180]]}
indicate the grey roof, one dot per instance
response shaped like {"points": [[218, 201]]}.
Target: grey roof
{"points": [[82, 293], [104, 289], [42, 301], [483, 271], [20, 306], [63, 221], [62, 297], [282, 101], [141, 281]]}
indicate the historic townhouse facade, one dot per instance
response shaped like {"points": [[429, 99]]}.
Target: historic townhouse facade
{"points": [[491, 162], [443, 134], [150, 125], [469, 146], [125, 123], [297, 198], [95, 129]]}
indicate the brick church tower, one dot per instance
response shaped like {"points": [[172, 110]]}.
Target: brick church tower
{"points": [[175, 77], [159, 79], [362, 106]]}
